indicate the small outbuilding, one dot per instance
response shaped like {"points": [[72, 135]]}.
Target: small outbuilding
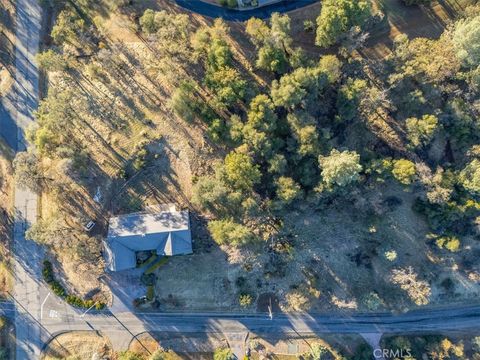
{"points": [[166, 232]]}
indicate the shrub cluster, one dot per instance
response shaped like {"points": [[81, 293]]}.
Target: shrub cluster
{"points": [[60, 291]]}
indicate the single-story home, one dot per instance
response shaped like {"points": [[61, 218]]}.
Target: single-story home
{"points": [[165, 232]]}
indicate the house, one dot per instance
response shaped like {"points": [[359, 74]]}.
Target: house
{"points": [[165, 232]]}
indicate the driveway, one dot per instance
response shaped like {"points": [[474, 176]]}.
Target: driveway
{"points": [[125, 287]]}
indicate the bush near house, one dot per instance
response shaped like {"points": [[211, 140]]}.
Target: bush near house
{"points": [[150, 292]]}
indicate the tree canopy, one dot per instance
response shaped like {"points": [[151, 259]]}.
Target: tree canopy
{"points": [[340, 168], [339, 16]]}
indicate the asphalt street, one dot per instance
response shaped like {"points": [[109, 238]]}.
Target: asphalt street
{"points": [[16, 115], [213, 11], [441, 319]]}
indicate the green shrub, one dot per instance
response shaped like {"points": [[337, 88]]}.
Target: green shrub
{"points": [[57, 288], [155, 266], [150, 292], [308, 26], [60, 291], [451, 243], [140, 161], [129, 355], [245, 300], [47, 271], [223, 354]]}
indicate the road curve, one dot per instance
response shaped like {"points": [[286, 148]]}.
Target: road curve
{"points": [[213, 11]]}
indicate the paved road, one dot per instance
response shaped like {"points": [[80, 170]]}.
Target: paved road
{"points": [[448, 319], [206, 9], [122, 327], [16, 114]]}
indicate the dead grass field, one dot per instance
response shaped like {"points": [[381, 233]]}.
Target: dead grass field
{"points": [[84, 344], [177, 346], [283, 347]]}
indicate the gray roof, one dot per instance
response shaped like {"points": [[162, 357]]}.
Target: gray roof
{"points": [[166, 232]]}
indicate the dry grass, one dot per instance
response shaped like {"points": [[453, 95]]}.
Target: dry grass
{"points": [[177, 346], [81, 343], [282, 347], [425, 21]]}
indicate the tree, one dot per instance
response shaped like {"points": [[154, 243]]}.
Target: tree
{"points": [[184, 101], [272, 59], [339, 16], [259, 131], [51, 61], [221, 77], [273, 43], [349, 97], [287, 190], [340, 168], [466, 40], [210, 193], [421, 131], [240, 172], [68, 28], [228, 232], [404, 171], [331, 66], [147, 22], [470, 176], [228, 85], [301, 87], [305, 133], [422, 58], [28, 171], [54, 117], [277, 164], [418, 290]]}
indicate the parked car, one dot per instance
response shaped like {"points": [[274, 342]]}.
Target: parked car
{"points": [[89, 226]]}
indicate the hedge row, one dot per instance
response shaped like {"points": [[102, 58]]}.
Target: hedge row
{"points": [[155, 266], [60, 291]]}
